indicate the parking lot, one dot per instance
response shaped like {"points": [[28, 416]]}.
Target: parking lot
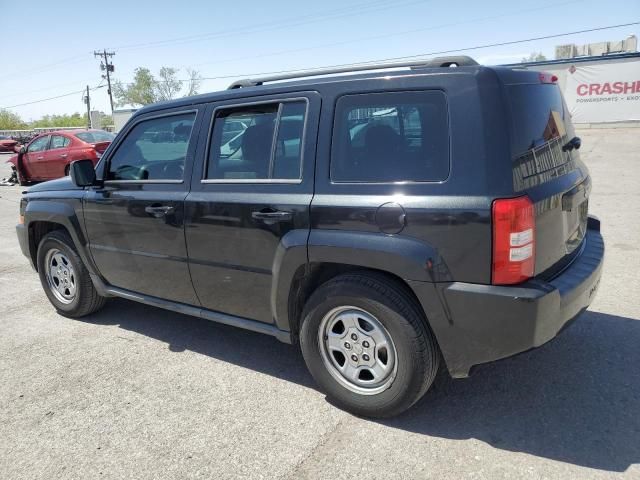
{"points": [[138, 392]]}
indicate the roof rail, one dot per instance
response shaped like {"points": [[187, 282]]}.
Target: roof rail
{"points": [[457, 61]]}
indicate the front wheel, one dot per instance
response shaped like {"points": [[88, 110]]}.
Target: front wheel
{"points": [[64, 277], [366, 343]]}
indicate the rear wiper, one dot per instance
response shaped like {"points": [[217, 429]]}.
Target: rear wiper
{"points": [[575, 142]]}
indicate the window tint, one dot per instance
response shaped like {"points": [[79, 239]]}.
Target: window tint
{"points": [[39, 144], [391, 137], [538, 116], [58, 141], [257, 142], [95, 137], [154, 149]]}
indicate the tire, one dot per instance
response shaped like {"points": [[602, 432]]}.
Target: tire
{"points": [[76, 298], [66, 170], [374, 311]]}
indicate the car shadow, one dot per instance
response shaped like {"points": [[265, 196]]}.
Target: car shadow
{"points": [[574, 400]]}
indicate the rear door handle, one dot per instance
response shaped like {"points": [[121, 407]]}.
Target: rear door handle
{"points": [[63, 155], [158, 211], [277, 216]]}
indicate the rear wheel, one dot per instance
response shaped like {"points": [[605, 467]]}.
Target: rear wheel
{"points": [[64, 277], [367, 345]]}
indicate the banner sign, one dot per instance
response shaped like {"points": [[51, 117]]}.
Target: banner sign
{"points": [[603, 92]]}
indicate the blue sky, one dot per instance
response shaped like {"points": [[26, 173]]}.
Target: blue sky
{"points": [[48, 46]]}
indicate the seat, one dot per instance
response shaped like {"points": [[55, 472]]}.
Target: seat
{"points": [[256, 149], [382, 145]]}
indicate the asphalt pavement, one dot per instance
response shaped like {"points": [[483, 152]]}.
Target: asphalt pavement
{"points": [[141, 393]]}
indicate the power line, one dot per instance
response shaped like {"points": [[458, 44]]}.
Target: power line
{"points": [[44, 89], [368, 62], [358, 9], [393, 34], [44, 68], [442, 52], [50, 98]]}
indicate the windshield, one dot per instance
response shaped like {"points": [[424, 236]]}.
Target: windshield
{"points": [[95, 137]]}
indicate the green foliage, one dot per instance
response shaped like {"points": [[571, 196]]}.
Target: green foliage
{"points": [[11, 121], [146, 88], [168, 86], [142, 91], [105, 120], [534, 57], [73, 120]]}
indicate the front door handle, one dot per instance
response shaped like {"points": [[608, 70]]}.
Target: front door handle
{"points": [[63, 155], [39, 158], [277, 216], [158, 211]]}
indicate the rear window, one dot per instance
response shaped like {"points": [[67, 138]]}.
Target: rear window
{"points": [[95, 137], [541, 126], [538, 115], [390, 137]]}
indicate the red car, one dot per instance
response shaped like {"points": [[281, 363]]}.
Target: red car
{"points": [[49, 155], [7, 144]]}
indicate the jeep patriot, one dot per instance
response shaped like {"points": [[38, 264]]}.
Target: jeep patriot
{"points": [[389, 222]]}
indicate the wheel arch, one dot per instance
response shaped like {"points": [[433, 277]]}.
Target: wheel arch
{"points": [[44, 216]]}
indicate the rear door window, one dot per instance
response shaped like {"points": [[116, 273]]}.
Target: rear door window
{"points": [[257, 142], [391, 137], [58, 141]]}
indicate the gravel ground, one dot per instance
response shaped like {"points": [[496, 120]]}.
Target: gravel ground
{"points": [[137, 392]]}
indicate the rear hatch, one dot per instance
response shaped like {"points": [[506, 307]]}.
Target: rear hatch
{"points": [[547, 168]]}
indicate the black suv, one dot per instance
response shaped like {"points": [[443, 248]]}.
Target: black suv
{"points": [[388, 221]]}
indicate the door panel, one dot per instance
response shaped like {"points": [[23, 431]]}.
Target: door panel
{"points": [[57, 157], [134, 248], [240, 210], [231, 252], [135, 222], [34, 160]]}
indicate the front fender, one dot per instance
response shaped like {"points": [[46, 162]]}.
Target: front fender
{"points": [[61, 212]]}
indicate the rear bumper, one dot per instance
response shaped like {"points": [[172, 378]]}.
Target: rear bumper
{"points": [[481, 323]]}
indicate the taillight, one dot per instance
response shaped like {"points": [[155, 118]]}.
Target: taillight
{"points": [[547, 78], [514, 233]]}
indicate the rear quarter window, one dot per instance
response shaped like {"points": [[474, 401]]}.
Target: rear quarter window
{"points": [[391, 137]]}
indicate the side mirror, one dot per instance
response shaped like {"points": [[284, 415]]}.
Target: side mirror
{"points": [[21, 150], [83, 174]]}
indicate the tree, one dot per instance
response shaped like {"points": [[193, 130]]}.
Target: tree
{"points": [[105, 120], [534, 57], [146, 88], [139, 92], [168, 86], [194, 82], [11, 121], [73, 120]]}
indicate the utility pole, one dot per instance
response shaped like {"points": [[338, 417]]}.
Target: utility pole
{"points": [[87, 100], [108, 68]]}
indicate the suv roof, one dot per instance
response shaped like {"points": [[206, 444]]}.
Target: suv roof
{"points": [[343, 74]]}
